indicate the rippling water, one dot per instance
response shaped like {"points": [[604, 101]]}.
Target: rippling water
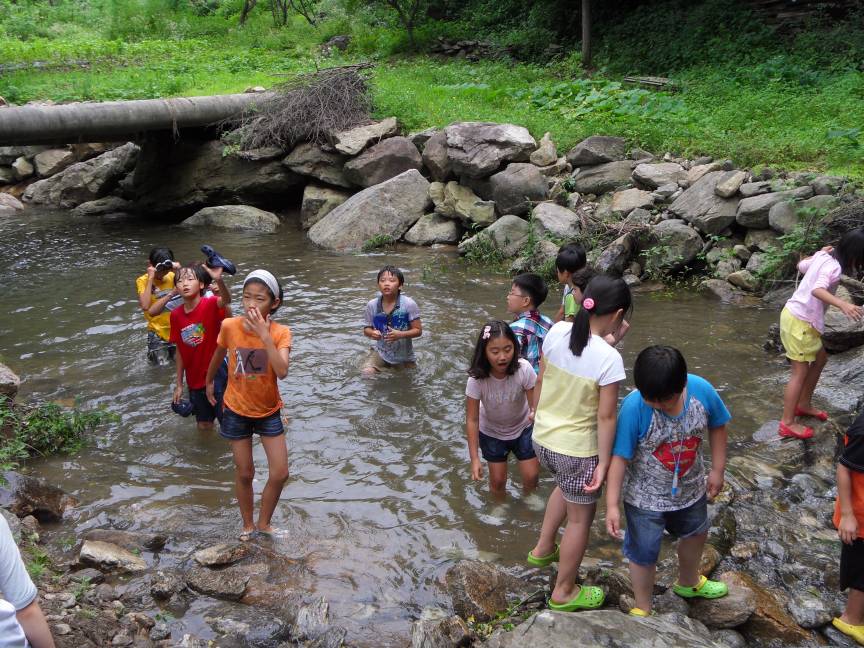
{"points": [[380, 500]]}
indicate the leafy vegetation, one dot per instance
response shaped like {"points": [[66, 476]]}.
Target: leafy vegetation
{"points": [[807, 237], [378, 241]]}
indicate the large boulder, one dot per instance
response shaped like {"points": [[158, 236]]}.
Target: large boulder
{"points": [[659, 174], [440, 632], [841, 333], [555, 220], [458, 201], [386, 209], [769, 621], [516, 187], [318, 201], [9, 382], [616, 256], [354, 140], [624, 202], [753, 212], [784, 216], [482, 589], [383, 161], [603, 177], [434, 228], [9, 204], [53, 161], [234, 217], [436, 157], [478, 149], [84, 181], [30, 496], [676, 245], [102, 206], [729, 182], [311, 160], [700, 205], [110, 557], [597, 149], [228, 583], [507, 236]]}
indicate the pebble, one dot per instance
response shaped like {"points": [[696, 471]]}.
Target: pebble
{"points": [[160, 631], [62, 629]]}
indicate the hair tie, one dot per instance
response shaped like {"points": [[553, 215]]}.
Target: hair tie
{"points": [[487, 332], [588, 303]]}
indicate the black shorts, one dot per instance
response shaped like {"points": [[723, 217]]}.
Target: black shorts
{"points": [[204, 411], [852, 565]]}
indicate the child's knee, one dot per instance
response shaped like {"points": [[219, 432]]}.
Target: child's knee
{"points": [[245, 473], [497, 484], [280, 475]]}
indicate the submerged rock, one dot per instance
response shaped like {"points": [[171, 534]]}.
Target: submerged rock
{"points": [[234, 217], [443, 632], [110, 557], [482, 589], [106, 205], [228, 583]]}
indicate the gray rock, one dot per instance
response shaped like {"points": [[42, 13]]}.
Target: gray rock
{"points": [[623, 202], [729, 611], [597, 149], [729, 182], [25, 496], [235, 218], [84, 181], [386, 209], [130, 540], [482, 589], [354, 140], [110, 557], [556, 220], [228, 583], [318, 201], [700, 205], [478, 149], [755, 263], [252, 627], [457, 201], [641, 154], [698, 170], [9, 382], [383, 161], [9, 204], [639, 218], [657, 175], [164, 585], [22, 169], [263, 154], [677, 245], [312, 619], [160, 631], [723, 290], [785, 216], [224, 553], [53, 161], [606, 628], [615, 256], [742, 251], [561, 165], [725, 267], [753, 212], [8, 154], [827, 185], [546, 152], [508, 235], [749, 189], [432, 229], [809, 611], [743, 279], [666, 190], [7, 175], [603, 177], [436, 157], [764, 240], [102, 206], [841, 333], [444, 632], [516, 187], [311, 160], [420, 138], [729, 638]]}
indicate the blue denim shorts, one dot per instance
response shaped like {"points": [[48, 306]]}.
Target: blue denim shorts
{"points": [[495, 450], [235, 427], [645, 529]]}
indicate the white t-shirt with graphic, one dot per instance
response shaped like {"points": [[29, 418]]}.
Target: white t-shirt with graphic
{"points": [[503, 405]]}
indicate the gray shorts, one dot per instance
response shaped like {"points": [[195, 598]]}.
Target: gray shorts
{"points": [[159, 352], [572, 474]]}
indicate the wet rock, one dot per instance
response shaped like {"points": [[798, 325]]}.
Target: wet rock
{"points": [[615, 256], [728, 638], [677, 245], [444, 632], [84, 181], [128, 539], [726, 292], [9, 204], [808, 610], [556, 220], [160, 631], [25, 495], [9, 380], [312, 161], [657, 175], [102, 206], [666, 603], [729, 611], [603, 177], [228, 583], [110, 557], [234, 218], [743, 279], [837, 638], [841, 333], [516, 187], [478, 149], [22, 169], [481, 589], [165, 584], [753, 212], [769, 620], [252, 627], [546, 153], [386, 209], [432, 229], [624, 202], [508, 235], [700, 205], [457, 201], [224, 553], [312, 619], [608, 628], [597, 149], [53, 161], [318, 201], [729, 182], [383, 161], [87, 575], [784, 217], [354, 140]]}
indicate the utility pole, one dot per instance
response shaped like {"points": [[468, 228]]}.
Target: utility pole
{"points": [[586, 34]]}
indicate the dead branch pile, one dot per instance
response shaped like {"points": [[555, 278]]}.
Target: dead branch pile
{"points": [[307, 108]]}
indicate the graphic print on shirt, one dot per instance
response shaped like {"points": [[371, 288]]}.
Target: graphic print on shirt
{"points": [[250, 362], [192, 334], [685, 452]]}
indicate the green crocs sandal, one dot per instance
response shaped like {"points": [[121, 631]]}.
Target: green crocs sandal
{"points": [[707, 589], [589, 597], [544, 561]]}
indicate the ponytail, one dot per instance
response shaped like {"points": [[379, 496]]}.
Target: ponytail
{"points": [[602, 295]]}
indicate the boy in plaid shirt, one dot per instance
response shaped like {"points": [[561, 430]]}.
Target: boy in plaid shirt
{"points": [[526, 294]]}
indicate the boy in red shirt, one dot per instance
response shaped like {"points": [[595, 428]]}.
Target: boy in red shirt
{"points": [[849, 520], [194, 329]]}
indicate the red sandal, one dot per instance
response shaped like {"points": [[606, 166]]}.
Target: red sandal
{"points": [[788, 432], [817, 414]]}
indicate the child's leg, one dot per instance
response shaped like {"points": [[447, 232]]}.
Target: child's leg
{"points": [[244, 473], [277, 467], [529, 471], [556, 512], [573, 545], [810, 381], [642, 578], [689, 559], [854, 612], [793, 392], [497, 479]]}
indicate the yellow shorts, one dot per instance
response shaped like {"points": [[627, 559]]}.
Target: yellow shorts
{"points": [[801, 341]]}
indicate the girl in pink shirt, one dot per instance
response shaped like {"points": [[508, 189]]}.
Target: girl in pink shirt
{"points": [[802, 323]]}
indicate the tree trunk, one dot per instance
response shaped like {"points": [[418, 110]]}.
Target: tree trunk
{"points": [[586, 34], [248, 6]]}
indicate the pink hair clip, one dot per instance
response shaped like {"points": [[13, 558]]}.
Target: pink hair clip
{"points": [[588, 303], [487, 331]]}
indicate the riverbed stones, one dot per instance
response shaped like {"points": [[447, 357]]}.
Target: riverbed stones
{"points": [[546, 152], [482, 589], [383, 161], [756, 188], [53, 161], [753, 212], [624, 202], [440, 632], [597, 149], [8, 154], [22, 169], [458, 201], [603, 177], [165, 584], [809, 611], [9, 381], [434, 228], [354, 140], [516, 187], [386, 209], [9, 204], [311, 160], [130, 540], [110, 557], [224, 553], [507, 235], [656, 175], [769, 621], [785, 216], [729, 611], [318, 201], [234, 218], [700, 205], [24, 495], [743, 279], [436, 158], [557, 221], [228, 583], [478, 149]]}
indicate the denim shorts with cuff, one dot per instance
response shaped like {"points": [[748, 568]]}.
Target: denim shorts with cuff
{"points": [[235, 427], [495, 450], [645, 529]]}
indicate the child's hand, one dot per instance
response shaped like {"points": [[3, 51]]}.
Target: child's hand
{"points": [[210, 390], [257, 324], [613, 522], [848, 528], [178, 394], [828, 248], [375, 334], [151, 271], [852, 311], [715, 484], [597, 478], [476, 469], [215, 273], [531, 414], [393, 335]]}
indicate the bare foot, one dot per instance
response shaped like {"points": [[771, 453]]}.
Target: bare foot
{"points": [[562, 596], [541, 551]]}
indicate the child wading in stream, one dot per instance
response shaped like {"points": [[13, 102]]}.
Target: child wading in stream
{"points": [[392, 320], [574, 426], [803, 321], [499, 396], [657, 457], [258, 350], [155, 289]]}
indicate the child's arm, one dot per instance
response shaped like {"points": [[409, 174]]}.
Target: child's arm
{"points": [[614, 481], [849, 310], [372, 332], [848, 528], [717, 438], [606, 417], [560, 314], [159, 305], [415, 331], [472, 431], [145, 295], [216, 274], [618, 335], [218, 356], [537, 386], [178, 386], [529, 394]]}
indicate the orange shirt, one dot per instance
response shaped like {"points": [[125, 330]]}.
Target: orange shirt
{"points": [[252, 389], [853, 458]]}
